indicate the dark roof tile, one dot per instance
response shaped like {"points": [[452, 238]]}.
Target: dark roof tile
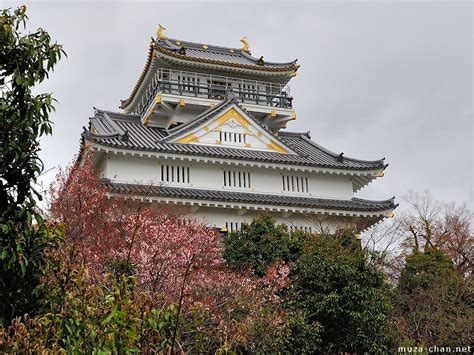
{"points": [[146, 138], [216, 54], [354, 204]]}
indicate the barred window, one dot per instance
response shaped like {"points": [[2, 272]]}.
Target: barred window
{"points": [[238, 179], [292, 183], [230, 137], [175, 174], [233, 226]]}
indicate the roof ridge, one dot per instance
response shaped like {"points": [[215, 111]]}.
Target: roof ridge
{"points": [[112, 124], [121, 114], [198, 44], [335, 155], [256, 60], [295, 134]]}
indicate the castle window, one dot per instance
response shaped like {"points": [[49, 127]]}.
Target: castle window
{"points": [[175, 174], [238, 179], [297, 184], [233, 226], [234, 138]]}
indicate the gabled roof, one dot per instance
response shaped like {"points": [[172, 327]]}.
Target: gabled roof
{"points": [[232, 108], [132, 134], [203, 117], [354, 204]]}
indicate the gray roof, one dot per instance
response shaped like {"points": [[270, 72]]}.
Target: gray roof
{"points": [[217, 54], [354, 204], [126, 131]]}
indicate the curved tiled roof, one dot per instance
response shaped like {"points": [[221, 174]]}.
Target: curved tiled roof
{"points": [[125, 131], [198, 52], [354, 204], [191, 52]]}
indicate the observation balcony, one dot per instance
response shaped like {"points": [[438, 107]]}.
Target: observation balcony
{"points": [[214, 87]]}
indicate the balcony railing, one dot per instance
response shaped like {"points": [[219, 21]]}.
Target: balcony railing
{"points": [[208, 86]]}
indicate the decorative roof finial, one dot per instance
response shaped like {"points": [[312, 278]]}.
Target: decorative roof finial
{"points": [[340, 157], [245, 43], [161, 32]]}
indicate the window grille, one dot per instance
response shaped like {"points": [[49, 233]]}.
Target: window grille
{"points": [[230, 137], [233, 226], [295, 183], [238, 179], [175, 174]]}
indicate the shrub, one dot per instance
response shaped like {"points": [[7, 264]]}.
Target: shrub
{"points": [[259, 244], [85, 314], [337, 288], [435, 303]]}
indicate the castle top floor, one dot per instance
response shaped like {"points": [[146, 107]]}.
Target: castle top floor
{"points": [[202, 74]]}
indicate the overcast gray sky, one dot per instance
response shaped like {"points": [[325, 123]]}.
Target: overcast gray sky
{"points": [[377, 79]]}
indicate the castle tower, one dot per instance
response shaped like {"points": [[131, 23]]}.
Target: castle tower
{"points": [[203, 129]]}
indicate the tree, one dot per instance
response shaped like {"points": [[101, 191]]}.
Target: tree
{"points": [[334, 284], [174, 260], [384, 240], [332, 292], [259, 244], [25, 61], [435, 303], [443, 226], [98, 315]]}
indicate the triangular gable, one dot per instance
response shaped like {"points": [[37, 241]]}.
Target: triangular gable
{"points": [[228, 125]]}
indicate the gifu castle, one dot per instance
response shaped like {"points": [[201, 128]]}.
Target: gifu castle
{"points": [[204, 130]]}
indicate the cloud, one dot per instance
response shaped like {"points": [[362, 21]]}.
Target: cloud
{"points": [[377, 79]]}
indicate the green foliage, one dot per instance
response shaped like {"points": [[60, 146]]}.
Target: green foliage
{"points": [[337, 288], [435, 304], [278, 333], [83, 315], [259, 244], [299, 335], [423, 269], [25, 60], [121, 267], [339, 301]]}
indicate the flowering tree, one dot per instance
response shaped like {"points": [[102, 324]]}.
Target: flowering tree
{"points": [[177, 261]]}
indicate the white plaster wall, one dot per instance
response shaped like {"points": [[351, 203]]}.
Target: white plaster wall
{"points": [[132, 169], [210, 176], [210, 134], [223, 217]]}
